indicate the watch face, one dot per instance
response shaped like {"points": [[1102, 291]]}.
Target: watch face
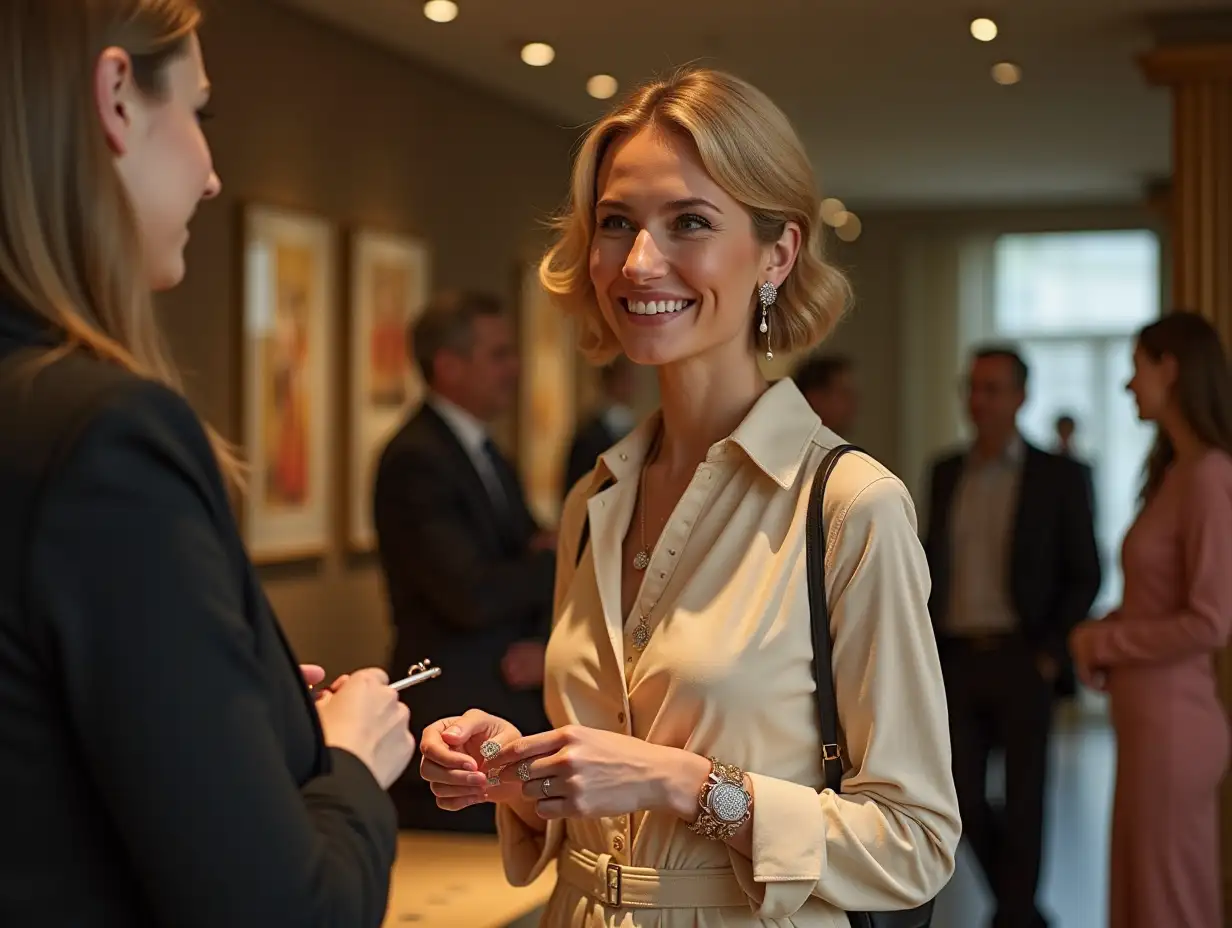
{"points": [[728, 802]]}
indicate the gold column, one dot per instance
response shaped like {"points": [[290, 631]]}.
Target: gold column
{"points": [[1199, 208]]}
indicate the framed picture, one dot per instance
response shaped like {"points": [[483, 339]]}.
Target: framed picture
{"points": [[288, 328], [547, 413], [389, 287]]}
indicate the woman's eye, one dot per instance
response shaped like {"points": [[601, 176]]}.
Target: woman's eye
{"points": [[691, 222], [614, 223]]}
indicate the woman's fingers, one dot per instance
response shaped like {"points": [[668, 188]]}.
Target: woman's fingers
{"points": [[452, 776]]}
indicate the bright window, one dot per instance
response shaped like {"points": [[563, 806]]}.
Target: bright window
{"points": [[1073, 302]]}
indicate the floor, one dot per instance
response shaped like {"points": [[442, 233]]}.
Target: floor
{"points": [[1073, 886]]}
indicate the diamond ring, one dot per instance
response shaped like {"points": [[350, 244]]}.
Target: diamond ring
{"points": [[524, 771], [547, 784], [494, 776], [489, 749]]}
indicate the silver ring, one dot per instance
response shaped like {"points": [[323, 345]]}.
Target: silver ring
{"points": [[524, 771], [494, 776], [489, 749], [547, 784]]}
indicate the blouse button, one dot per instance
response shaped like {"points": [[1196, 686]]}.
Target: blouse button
{"points": [[618, 843], [671, 551], [621, 718]]}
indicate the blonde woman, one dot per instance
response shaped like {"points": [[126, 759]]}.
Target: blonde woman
{"points": [[161, 759], [679, 667]]}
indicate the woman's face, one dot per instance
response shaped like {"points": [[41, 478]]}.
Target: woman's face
{"points": [[1152, 384], [161, 154], [674, 260]]}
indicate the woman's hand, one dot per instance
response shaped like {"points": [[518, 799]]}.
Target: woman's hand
{"points": [[1082, 647], [452, 761], [364, 716], [577, 772]]}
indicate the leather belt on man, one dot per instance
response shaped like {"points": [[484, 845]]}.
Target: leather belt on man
{"points": [[617, 886]]}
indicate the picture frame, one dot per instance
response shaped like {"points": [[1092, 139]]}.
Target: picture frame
{"points": [[389, 287], [547, 403], [288, 328]]}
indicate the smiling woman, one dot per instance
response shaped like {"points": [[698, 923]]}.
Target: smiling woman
{"points": [[682, 783]]}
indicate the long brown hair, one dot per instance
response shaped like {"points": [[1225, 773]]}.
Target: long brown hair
{"points": [[1203, 387], [70, 247]]}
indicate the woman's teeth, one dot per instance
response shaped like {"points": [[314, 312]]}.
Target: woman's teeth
{"points": [[655, 307]]}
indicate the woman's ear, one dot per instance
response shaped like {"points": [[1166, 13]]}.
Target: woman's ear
{"points": [[113, 95], [781, 256]]}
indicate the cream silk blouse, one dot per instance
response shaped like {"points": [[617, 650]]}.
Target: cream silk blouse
{"points": [[728, 673]]}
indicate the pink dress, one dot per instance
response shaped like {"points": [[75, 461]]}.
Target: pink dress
{"points": [[1172, 732]]}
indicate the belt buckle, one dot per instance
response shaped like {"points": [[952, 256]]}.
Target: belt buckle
{"points": [[612, 897]]}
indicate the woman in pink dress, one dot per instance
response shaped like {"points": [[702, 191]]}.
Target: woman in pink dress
{"points": [[1155, 654]]}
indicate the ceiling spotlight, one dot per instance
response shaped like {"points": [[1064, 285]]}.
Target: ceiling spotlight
{"points": [[983, 29], [441, 11], [538, 54], [831, 209], [602, 86], [851, 227], [1006, 73]]}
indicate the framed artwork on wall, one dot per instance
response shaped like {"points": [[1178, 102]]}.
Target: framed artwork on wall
{"points": [[547, 408], [288, 328], [389, 288]]}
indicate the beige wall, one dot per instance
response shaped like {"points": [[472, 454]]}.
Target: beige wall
{"points": [[311, 119]]}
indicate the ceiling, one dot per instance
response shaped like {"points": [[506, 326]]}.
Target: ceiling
{"points": [[892, 97]]}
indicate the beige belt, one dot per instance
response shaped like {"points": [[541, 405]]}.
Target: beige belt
{"points": [[618, 886]]}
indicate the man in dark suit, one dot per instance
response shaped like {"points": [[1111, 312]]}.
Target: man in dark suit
{"points": [[828, 383], [469, 572], [1011, 547], [606, 427]]}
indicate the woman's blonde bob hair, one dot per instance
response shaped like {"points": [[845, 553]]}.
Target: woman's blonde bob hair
{"points": [[70, 246], [750, 149]]}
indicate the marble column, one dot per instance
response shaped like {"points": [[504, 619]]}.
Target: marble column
{"points": [[1194, 60]]}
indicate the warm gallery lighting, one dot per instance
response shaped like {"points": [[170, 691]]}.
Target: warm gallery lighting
{"points": [[538, 54], [850, 228], [831, 209], [441, 11], [984, 29], [1006, 73], [602, 86]]}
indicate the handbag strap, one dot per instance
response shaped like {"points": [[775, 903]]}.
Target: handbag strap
{"points": [[819, 612]]}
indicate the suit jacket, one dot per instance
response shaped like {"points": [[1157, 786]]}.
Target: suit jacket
{"points": [[463, 584], [161, 760], [1054, 571], [592, 438]]}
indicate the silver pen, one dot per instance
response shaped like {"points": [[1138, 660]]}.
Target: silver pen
{"points": [[418, 673]]}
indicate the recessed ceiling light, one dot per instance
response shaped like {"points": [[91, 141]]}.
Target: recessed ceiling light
{"points": [[983, 29], [850, 228], [602, 86], [831, 209], [441, 11], [1006, 73], [538, 54]]}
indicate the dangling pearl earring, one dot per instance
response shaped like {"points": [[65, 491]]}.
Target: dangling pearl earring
{"points": [[767, 293]]}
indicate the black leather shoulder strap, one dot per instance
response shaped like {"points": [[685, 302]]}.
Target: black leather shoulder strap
{"points": [[819, 611]]}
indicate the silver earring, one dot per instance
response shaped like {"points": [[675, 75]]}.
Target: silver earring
{"points": [[767, 293]]}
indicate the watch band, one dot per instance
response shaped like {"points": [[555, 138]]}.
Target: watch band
{"points": [[710, 826]]}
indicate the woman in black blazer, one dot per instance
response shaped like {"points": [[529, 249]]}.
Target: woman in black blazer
{"points": [[161, 760]]}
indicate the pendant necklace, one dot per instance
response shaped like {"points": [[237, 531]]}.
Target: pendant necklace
{"points": [[641, 560]]}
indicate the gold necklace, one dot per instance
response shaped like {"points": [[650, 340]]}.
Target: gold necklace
{"points": [[641, 560]]}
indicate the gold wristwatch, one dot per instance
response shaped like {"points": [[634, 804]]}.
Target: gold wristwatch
{"points": [[726, 804]]}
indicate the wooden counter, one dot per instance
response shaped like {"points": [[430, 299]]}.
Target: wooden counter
{"points": [[457, 881]]}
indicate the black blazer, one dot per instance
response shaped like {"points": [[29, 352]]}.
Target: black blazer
{"points": [[592, 438], [463, 583], [1054, 571], [160, 760]]}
